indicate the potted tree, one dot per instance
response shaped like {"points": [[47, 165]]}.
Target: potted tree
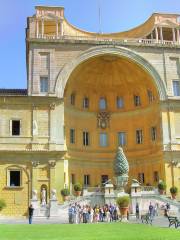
{"points": [[2, 204], [173, 191], [65, 194], [77, 189], [123, 204], [161, 187]]}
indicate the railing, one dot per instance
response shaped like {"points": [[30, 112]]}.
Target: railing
{"points": [[110, 40]]}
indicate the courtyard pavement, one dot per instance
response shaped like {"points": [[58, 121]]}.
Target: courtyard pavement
{"points": [[159, 221]]}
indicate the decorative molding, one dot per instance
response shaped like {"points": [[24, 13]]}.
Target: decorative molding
{"points": [[52, 163], [35, 164]]}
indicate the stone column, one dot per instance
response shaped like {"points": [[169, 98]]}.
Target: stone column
{"points": [[161, 34], [52, 164], [57, 29], [178, 35], [52, 127], [174, 35], [156, 31], [42, 27], [34, 191], [37, 28], [61, 28]]}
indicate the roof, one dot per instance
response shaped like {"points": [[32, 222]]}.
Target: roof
{"points": [[13, 92]]}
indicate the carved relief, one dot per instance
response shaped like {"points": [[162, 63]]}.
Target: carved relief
{"points": [[52, 163], [35, 163], [103, 119]]}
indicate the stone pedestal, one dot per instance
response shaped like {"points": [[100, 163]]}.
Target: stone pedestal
{"points": [[53, 211], [36, 206]]}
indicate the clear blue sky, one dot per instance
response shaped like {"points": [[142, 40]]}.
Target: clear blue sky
{"points": [[117, 15]]}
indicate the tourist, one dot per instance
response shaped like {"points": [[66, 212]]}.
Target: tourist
{"points": [[30, 211], [151, 210], [70, 214]]}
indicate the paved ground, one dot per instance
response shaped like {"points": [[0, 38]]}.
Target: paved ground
{"points": [[158, 221]]}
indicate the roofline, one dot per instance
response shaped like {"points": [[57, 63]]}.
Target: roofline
{"points": [[167, 14], [50, 7]]}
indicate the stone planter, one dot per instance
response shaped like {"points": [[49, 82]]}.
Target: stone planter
{"points": [[124, 211], [65, 198], [78, 193], [173, 195], [161, 191]]}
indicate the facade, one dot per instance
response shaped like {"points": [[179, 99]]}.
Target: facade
{"points": [[87, 94]]}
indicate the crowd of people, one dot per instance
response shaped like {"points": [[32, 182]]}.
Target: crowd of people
{"points": [[87, 214]]}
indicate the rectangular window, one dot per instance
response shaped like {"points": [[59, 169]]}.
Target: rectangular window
{"points": [[103, 139], [176, 87], [85, 138], [15, 127], [121, 138], [137, 100], [102, 103], [139, 136], [43, 84], [72, 136], [141, 178], [86, 180], [119, 102], [14, 178], [150, 96], [73, 178], [104, 179], [86, 102], [156, 176], [153, 133]]}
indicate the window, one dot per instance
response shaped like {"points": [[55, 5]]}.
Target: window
{"points": [[121, 138], [43, 84], [150, 96], [153, 133], [104, 178], [102, 103], [119, 102], [15, 127], [86, 180], [86, 102], [139, 137], [14, 178], [141, 178], [176, 87], [85, 138], [73, 98], [103, 139], [156, 176], [72, 135], [73, 178], [137, 100]]}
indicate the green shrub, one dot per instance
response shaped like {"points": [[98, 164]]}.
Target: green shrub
{"points": [[65, 192], [77, 187], [161, 185], [2, 204], [123, 201], [173, 190]]}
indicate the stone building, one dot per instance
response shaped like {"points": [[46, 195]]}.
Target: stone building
{"points": [[87, 93]]}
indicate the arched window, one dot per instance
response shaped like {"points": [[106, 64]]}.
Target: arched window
{"points": [[102, 103], [72, 98]]}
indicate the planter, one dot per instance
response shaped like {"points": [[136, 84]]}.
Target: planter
{"points": [[161, 191], [124, 211], [65, 198], [173, 195], [77, 193]]}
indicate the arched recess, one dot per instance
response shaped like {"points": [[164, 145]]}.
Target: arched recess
{"points": [[65, 73]]}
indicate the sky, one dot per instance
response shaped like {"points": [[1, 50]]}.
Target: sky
{"points": [[116, 16]]}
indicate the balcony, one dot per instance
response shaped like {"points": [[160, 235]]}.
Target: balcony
{"points": [[106, 40]]}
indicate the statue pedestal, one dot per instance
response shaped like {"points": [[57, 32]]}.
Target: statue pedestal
{"points": [[53, 211], [36, 206]]}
